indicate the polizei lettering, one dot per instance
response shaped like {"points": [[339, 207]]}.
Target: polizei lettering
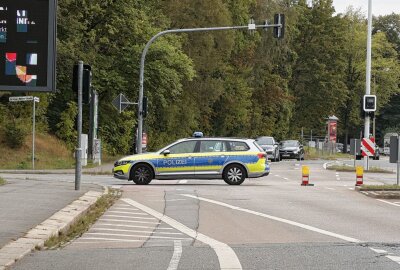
{"points": [[174, 162]]}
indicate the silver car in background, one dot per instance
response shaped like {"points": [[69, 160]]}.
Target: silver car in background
{"points": [[270, 146]]}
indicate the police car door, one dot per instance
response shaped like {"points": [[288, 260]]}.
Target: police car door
{"points": [[179, 163], [210, 159]]}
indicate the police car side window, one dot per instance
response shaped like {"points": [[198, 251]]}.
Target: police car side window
{"points": [[183, 147], [238, 146], [212, 146]]}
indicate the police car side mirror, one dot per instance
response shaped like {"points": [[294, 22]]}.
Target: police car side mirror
{"points": [[166, 152]]}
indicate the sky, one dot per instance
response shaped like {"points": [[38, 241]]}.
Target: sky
{"points": [[379, 7]]}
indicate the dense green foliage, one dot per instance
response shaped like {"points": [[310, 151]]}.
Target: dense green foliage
{"points": [[226, 83]]}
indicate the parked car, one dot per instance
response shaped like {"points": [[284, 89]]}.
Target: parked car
{"points": [[270, 146], [291, 149], [233, 160]]}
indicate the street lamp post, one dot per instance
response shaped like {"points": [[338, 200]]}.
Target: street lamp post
{"points": [[251, 26]]}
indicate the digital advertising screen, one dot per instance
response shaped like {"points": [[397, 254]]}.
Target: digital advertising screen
{"points": [[27, 45]]}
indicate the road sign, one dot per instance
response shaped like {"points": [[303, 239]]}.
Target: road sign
{"points": [[394, 145], [121, 103], [28, 45], [368, 147]]}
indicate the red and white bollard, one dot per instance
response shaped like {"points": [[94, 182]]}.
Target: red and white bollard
{"points": [[305, 176], [359, 175]]}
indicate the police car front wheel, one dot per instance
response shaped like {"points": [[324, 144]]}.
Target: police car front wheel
{"points": [[234, 174], [142, 174]]}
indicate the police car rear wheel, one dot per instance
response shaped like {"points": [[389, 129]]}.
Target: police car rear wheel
{"points": [[234, 175], [142, 174]]}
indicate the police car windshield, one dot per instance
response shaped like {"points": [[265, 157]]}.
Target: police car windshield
{"points": [[265, 140]]}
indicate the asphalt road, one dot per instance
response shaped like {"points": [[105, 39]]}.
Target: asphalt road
{"points": [[266, 223]]}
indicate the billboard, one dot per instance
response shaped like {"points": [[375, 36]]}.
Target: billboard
{"points": [[27, 45], [332, 131]]}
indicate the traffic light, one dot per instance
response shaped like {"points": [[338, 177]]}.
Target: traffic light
{"points": [[144, 108], [86, 82], [279, 32], [369, 103]]}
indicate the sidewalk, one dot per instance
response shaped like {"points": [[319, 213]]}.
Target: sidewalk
{"points": [[102, 169], [26, 203]]}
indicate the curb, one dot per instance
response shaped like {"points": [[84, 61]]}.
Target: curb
{"points": [[380, 194], [59, 222]]}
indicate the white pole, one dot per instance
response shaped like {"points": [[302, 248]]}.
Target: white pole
{"points": [[368, 77], [33, 133]]}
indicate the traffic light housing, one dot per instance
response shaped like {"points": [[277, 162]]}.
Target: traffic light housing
{"points": [[86, 82], [279, 32], [144, 108], [369, 104]]}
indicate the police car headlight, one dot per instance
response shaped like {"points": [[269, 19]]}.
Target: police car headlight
{"points": [[122, 162]]}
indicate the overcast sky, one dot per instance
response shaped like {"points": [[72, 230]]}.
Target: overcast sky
{"points": [[379, 7]]}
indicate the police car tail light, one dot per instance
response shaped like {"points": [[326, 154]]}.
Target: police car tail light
{"points": [[262, 155]]}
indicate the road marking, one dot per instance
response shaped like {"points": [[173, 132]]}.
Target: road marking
{"points": [[182, 182], [119, 216], [329, 188], [128, 221], [380, 251], [172, 200], [133, 226], [226, 256], [388, 202], [286, 178], [176, 257], [134, 231], [125, 208], [290, 222], [326, 164], [124, 212], [394, 258], [136, 235], [338, 178], [107, 239], [351, 188], [276, 175]]}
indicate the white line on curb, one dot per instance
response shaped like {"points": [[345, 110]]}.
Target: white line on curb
{"points": [[297, 224], [182, 182], [394, 258], [176, 257], [380, 251], [226, 256]]}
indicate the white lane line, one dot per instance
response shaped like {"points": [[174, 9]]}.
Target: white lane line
{"points": [[286, 178], [182, 182], [128, 221], [338, 178], [380, 251], [290, 222], [351, 188], [131, 226], [226, 256], [119, 216], [130, 213], [388, 202], [136, 235], [176, 256], [107, 239], [125, 208], [276, 175], [329, 188], [172, 200], [134, 231], [394, 258]]}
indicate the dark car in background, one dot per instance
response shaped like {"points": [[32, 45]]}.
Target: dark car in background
{"points": [[270, 146], [291, 149]]}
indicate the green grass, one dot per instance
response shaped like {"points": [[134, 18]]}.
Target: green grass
{"points": [[380, 187], [2, 181], [312, 153], [342, 168], [84, 222]]}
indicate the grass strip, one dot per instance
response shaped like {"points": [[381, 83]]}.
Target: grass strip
{"points": [[380, 187], [2, 181], [342, 168], [85, 222]]}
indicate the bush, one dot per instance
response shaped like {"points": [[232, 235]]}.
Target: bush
{"points": [[15, 136]]}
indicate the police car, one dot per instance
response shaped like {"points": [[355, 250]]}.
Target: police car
{"points": [[233, 160]]}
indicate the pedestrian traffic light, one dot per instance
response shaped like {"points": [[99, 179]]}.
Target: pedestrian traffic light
{"points": [[279, 31], [144, 108], [369, 103], [86, 82]]}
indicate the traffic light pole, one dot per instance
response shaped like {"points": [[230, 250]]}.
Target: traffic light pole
{"points": [[78, 150], [368, 76], [143, 58]]}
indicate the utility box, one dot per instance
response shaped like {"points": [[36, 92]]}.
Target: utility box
{"points": [[84, 146], [355, 147], [97, 151], [394, 149]]}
